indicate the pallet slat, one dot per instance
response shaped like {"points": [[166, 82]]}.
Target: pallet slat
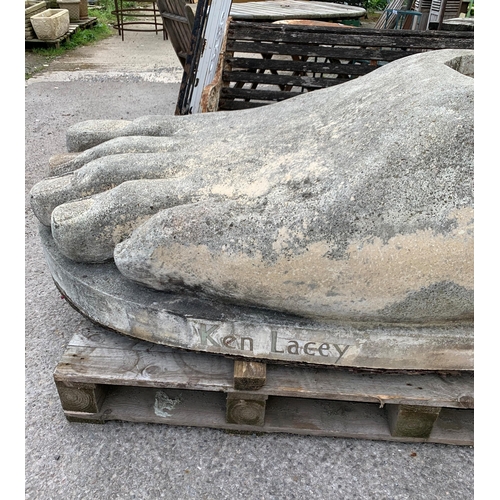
{"points": [[282, 80], [312, 35], [290, 415], [332, 53], [309, 66], [118, 360], [231, 104]]}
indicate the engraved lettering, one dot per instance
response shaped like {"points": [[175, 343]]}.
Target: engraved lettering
{"points": [[293, 347], [324, 347], [340, 351], [228, 340], [309, 350], [224, 336], [274, 339], [250, 343], [205, 334]]}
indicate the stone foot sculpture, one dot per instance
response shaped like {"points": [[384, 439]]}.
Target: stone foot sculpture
{"points": [[352, 203]]}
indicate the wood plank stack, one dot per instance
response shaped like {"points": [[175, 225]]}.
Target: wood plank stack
{"points": [[267, 62], [449, 11], [32, 8], [387, 20], [424, 7], [106, 376]]}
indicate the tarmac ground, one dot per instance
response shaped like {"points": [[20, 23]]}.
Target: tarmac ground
{"points": [[139, 76]]}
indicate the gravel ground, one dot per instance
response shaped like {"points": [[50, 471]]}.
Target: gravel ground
{"points": [[144, 461], [34, 63]]}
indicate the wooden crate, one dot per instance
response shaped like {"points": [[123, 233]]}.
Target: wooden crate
{"points": [[106, 376]]}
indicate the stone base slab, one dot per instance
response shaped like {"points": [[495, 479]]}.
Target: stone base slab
{"points": [[101, 293]]}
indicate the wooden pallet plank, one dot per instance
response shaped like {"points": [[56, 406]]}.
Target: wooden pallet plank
{"points": [[308, 81], [100, 365], [426, 389], [296, 66], [290, 415], [307, 36], [231, 104], [262, 94], [349, 53], [113, 359]]}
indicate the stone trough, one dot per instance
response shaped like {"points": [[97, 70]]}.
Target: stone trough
{"points": [[51, 23]]}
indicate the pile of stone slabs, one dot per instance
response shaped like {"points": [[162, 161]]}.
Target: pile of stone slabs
{"points": [[30, 10]]}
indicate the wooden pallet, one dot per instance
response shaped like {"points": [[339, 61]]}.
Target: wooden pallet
{"points": [[106, 376], [74, 27], [267, 62]]}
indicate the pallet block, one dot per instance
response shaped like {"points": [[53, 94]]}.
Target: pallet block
{"points": [[106, 376]]}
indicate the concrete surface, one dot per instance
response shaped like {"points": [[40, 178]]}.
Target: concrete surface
{"points": [[63, 460]]}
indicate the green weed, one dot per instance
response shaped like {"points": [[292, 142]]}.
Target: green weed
{"points": [[101, 30], [376, 5]]}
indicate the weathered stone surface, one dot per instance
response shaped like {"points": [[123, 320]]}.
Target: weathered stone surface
{"points": [[50, 24], [353, 203], [103, 294]]}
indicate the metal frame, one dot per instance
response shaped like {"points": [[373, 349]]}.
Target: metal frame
{"points": [[138, 12]]}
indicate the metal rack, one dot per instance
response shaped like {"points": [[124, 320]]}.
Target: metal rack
{"points": [[140, 16]]}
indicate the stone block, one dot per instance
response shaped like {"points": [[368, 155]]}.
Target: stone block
{"points": [[73, 7]]}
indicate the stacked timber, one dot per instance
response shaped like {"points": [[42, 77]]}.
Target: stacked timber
{"points": [[441, 10], [424, 7], [389, 17], [264, 63]]}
